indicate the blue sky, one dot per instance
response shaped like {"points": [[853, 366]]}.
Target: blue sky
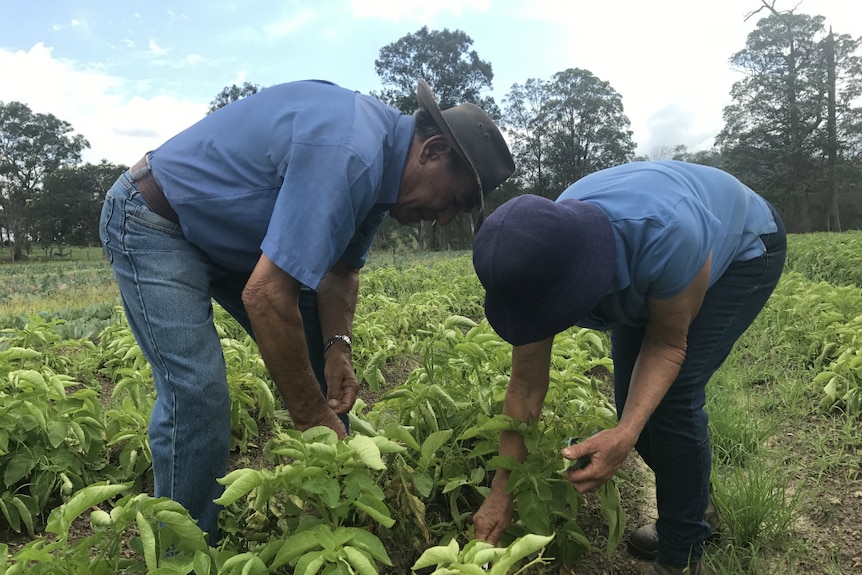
{"points": [[129, 75]]}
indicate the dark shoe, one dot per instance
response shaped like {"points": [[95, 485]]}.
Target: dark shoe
{"points": [[643, 542], [696, 568]]}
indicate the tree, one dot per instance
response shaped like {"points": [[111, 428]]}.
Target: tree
{"points": [[680, 153], [456, 75], [775, 136], [65, 210], [31, 145], [566, 128], [231, 94], [526, 110], [444, 59]]}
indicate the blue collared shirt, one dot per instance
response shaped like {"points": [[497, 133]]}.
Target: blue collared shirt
{"points": [[304, 172], [667, 218]]}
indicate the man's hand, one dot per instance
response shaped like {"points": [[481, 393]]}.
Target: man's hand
{"points": [[607, 450], [326, 418], [494, 516], [342, 385]]}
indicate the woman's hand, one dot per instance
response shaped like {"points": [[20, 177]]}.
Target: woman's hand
{"points": [[607, 451]]}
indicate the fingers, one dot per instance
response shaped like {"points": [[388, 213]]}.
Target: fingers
{"points": [[342, 386], [348, 397], [485, 530]]}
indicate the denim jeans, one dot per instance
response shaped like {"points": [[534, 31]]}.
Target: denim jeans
{"points": [[167, 285], [675, 441]]}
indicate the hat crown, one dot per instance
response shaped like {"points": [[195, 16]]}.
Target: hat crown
{"points": [[474, 136], [544, 265], [522, 255]]}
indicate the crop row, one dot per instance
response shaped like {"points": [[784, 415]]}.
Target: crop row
{"points": [[75, 450]]}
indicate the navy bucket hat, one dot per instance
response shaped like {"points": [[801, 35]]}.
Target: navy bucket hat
{"points": [[544, 265]]}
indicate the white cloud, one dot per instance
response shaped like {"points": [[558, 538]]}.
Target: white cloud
{"points": [[417, 10], [119, 126], [72, 24], [155, 49]]}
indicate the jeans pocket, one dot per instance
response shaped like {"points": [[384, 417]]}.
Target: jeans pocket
{"points": [[142, 214]]}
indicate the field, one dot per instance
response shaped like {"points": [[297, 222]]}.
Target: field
{"points": [[75, 397]]}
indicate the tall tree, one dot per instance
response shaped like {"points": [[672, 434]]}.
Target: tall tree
{"points": [[445, 60], [231, 94], [65, 209], [31, 145], [775, 136], [526, 115], [457, 75], [588, 130]]}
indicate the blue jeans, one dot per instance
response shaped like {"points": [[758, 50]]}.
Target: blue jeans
{"points": [[675, 441], [166, 285]]}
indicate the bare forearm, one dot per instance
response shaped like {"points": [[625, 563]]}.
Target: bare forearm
{"points": [[655, 370], [336, 301], [525, 397], [271, 300], [281, 340]]}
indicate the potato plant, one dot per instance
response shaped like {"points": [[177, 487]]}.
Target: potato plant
{"points": [[397, 494]]}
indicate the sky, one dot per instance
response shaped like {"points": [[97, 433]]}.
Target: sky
{"points": [[128, 75]]}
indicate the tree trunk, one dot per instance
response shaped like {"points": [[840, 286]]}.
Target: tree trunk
{"points": [[833, 222]]}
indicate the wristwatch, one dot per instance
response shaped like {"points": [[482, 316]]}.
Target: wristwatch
{"points": [[334, 338]]}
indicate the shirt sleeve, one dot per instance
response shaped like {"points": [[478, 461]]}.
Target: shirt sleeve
{"points": [[326, 190], [680, 249], [359, 246]]}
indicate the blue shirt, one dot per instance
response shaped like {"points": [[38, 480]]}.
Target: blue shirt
{"points": [[667, 218], [304, 172]]}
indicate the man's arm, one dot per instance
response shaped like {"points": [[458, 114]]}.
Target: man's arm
{"points": [[525, 396], [336, 305], [271, 300], [657, 366]]}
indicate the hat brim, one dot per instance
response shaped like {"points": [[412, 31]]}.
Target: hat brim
{"points": [[427, 100]]}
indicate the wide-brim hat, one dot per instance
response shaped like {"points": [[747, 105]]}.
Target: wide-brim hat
{"points": [[544, 265], [474, 136]]}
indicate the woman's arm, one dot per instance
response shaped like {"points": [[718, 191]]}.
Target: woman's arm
{"points": [[658, 363]]}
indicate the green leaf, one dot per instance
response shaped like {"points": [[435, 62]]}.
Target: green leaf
{"points": [[367, 452], [402, 434], [298, 545], [368, 542], [148, 541], [440, 555], [57, 429], [360, 425], [251, 564], [519, 549], [18, 467], [430, 446], [202, 563], [387, 445], [375, 509], [310, 563], [24, 514], [82, 500], [239, 483], [424, 484], [184, 526], [359, 561]]}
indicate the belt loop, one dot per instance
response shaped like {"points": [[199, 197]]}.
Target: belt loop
{"points": [[144, 169]]}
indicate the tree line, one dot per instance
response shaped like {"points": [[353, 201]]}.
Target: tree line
{"points": [[793, 132]]}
